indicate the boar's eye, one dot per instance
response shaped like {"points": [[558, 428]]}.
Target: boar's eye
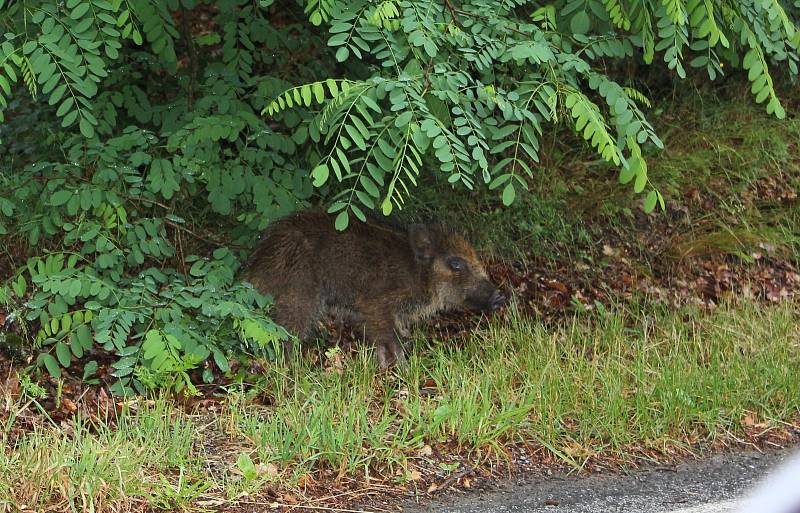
{"points": [[456, 264]]}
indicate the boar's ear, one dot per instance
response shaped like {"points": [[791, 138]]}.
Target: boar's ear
{"points": [[419, 236]]}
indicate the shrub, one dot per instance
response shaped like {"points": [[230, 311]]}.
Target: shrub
{"points": [[138, 167]]}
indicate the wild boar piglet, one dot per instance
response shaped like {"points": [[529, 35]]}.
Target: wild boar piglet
{"points": [[379, 277]]}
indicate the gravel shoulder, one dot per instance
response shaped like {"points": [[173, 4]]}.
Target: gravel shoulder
{"points": [[713, 485]]}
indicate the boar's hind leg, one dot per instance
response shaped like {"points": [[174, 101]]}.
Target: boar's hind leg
{"points": [[298, 313], [379, 329]]}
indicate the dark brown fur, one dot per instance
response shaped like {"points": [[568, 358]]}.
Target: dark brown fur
{"points": [[382, 278]]}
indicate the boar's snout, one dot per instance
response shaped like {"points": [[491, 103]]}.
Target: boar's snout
{"points": [[486, 297]]}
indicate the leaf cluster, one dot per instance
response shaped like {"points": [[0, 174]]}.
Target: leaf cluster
{"points": [[470, 87]]}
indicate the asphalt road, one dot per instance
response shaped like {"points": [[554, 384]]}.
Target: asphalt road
{"points": [[709, 486]]}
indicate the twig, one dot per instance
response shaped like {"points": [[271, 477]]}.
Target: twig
{"points": [[788, 424], [453, 12], [274, 505], [743, 442], [377, 486], [356, 493], [201, 237], [453, 478], [181, 255]]}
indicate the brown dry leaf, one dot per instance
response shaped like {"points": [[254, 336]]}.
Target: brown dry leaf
{"points": [[776, 293], [428, 383], [207, 503], [334, 361], [69, 405], [305, 481], [103, 402], [433, 487], [67, 430], [585, 301], [749, 420], [289, 499], [269, 470], [467, 483], [576, 450], [414, 475], [426, 451], [11, 387]]}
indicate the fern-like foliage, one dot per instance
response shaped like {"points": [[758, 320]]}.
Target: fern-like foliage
{"points": [[157, 130], [319, 11], [473, 83], [64, 52]]}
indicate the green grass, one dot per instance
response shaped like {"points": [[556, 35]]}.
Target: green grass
{"points": [[83, 467], [614, 385]]}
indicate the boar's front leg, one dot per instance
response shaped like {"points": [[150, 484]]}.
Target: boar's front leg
{"points": [[389, 351], [379, 329]]}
